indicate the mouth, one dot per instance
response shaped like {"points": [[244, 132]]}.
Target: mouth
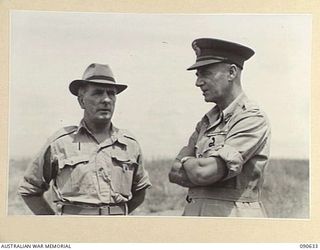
{"points": [[104, 110], [204, 91]]}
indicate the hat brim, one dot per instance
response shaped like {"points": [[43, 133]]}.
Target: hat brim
{"points": [[203, 63], [76, 84]]}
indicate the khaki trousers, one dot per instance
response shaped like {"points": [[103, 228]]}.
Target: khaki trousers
{"points": [[221, 208]]}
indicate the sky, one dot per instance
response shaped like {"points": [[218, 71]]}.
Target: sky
{"points": [[150, 53]]}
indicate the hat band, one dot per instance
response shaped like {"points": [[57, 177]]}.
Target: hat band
{"points": [[101, 77], [222, 59], [203, 58]]}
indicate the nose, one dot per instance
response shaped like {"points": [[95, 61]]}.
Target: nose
{"points": [[199, 82], [106, 98]]}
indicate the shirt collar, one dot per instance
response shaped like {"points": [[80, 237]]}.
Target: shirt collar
{"points": [[231, 107], [116, 134], [228, 111], [215, 115]]}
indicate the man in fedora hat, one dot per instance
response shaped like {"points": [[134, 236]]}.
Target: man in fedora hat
{"points": [[95, 168], [224, 160]]}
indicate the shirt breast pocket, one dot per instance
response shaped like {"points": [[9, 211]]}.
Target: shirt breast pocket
{"points": [[74, 174], [214, 141], [122, 174]]}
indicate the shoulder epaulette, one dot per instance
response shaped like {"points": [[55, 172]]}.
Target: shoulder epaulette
{"points": [[127, 134], [62, 132], [249, 105]]}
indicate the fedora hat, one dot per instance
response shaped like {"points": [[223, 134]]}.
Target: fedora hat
{"points": [[96, 73], [210, 51]]}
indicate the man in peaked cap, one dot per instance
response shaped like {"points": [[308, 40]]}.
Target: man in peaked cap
{"points": [[94, 168], [224, 160]]}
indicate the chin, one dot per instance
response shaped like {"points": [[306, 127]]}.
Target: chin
{"points": [[103, 119], [206, 99]]}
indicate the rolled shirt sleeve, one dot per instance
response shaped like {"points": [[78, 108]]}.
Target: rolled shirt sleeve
{"points": [[33, 182], [247, 134], [141, 178]]}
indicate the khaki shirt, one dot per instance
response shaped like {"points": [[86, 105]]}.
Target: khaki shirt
{"points": [[239, 135], [88, 172]]}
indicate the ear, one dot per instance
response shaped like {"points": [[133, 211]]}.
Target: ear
{"points": [[80, 100], [233, 72]]}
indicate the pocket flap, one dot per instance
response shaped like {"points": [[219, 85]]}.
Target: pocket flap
{"points": [[75, 160], [217, 133], [123, 157]]}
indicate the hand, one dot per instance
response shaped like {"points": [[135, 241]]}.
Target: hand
{"points": [[178, 175], [176, 165]]}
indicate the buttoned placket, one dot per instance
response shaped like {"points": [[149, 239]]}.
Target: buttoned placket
{"points": [[103, 166]]}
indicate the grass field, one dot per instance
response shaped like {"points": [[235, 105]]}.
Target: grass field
{"points": [[285, 192]]}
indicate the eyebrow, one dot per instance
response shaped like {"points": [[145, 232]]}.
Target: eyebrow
{"points": [[102, 90], [201, 71]]}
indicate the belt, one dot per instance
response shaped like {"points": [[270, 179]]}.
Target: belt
{"points": [[81, 209], [220, 193]]}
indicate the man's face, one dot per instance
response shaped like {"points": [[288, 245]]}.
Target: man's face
{"points": [[98, 102], [213, 81]]}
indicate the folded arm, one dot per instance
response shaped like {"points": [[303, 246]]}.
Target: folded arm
{"points": [[178, 175], [205, 171]]}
